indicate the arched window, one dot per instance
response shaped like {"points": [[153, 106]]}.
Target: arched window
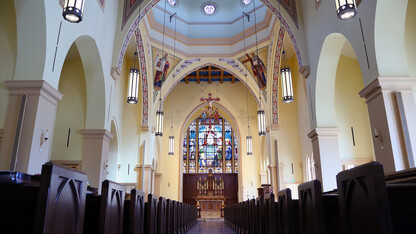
{"points": [[210, 144]]}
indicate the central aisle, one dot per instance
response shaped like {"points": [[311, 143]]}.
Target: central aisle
{"points": [[211, 226]]}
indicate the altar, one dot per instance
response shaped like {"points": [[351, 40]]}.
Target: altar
{"points": [[210, 196]]}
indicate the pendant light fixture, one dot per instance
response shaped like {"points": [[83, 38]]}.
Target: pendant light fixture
{"points": [[346, 9], [261, 118], [286, 77], [159, 113], [73, 10], [249, 139], [172, 137], [134, 77]]}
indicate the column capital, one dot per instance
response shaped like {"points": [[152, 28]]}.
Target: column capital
{"points": [[97, 134], [388, 84], [34, 87], [323, 132]]}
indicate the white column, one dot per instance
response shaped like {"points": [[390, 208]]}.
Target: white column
{"points": [[37, 113], [148, 179], [326, 156], [96, 146], [392, 109]]}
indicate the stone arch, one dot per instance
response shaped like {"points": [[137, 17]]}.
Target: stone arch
{"points": [[67, 139], [94, 76], [31, 15], [389, 36], [229, 116], [325, 79], [145, 10], [410, 37], [8, 51], [251, 84]]}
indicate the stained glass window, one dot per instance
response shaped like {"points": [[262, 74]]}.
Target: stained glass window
{"points": [[210, 144]]}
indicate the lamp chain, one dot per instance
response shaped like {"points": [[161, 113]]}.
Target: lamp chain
{"points": [[173, 78]]}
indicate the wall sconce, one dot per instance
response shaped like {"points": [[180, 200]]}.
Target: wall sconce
{"points": [[44, 137], [379, 137]]}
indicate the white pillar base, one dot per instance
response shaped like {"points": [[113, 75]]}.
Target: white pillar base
{"points": [[326, 156], [96, 145]]}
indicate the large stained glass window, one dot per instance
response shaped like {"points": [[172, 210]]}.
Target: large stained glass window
{"points": [[210, 144]]}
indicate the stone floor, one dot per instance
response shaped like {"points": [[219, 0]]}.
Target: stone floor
{"points": [[211, 226]]}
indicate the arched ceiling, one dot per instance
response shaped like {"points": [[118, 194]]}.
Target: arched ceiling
{"points": [[226, 21]]}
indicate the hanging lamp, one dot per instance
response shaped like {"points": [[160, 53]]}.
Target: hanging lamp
{"points": [[249, 139], [346, 9], [73, 10], [172, 137], [261, 118], [134, 77], [159, 113], [286, 77]]}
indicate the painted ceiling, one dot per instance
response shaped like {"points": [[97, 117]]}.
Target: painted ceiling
{"points": [[191, 22]]}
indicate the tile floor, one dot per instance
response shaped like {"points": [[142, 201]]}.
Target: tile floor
{"points": [[210, 226]]}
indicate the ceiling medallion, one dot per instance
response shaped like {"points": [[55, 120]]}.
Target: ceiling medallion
{"points": [[209, 8]]}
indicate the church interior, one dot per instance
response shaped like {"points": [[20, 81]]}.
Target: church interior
{"points": [[193, 110]]}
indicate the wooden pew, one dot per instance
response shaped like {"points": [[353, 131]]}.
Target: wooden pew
{"points": [[253, 216], [319, 213], [104, 213], [261, 215], [271, 212], [55, 204], [174, 217], [161, 216], [150, 219], [169, 214], [288, 212], [368, 206], [134, 213]]}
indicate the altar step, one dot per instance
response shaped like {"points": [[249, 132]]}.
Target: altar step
{"points": [[211, 226]]}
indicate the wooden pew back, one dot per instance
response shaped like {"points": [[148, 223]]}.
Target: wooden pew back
{"points": [[150, 226], [363, 200], [134, 213]]}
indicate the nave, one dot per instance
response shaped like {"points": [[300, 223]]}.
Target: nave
{"points": [[210, 226]]}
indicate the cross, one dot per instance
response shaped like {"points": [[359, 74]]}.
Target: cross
{"points": [[209, 100]]}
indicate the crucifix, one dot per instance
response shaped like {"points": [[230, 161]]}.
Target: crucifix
{"points": [[210, 112]]}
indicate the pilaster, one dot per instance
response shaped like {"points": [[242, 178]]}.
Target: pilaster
{"points": [[392, 109], [29, 125], [96, 146], [326, 156]]}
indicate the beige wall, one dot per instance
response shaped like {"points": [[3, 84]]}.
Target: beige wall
{"points": [[186, 99], [293, 124], [351, 111], [70, 112]]}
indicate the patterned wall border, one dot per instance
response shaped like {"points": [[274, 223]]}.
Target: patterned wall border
{"points": [[290, 6], [273, 9], [145, 91], [275, 91]]}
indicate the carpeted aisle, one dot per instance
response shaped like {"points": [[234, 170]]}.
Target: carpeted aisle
{"points": [[211, 226]]}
